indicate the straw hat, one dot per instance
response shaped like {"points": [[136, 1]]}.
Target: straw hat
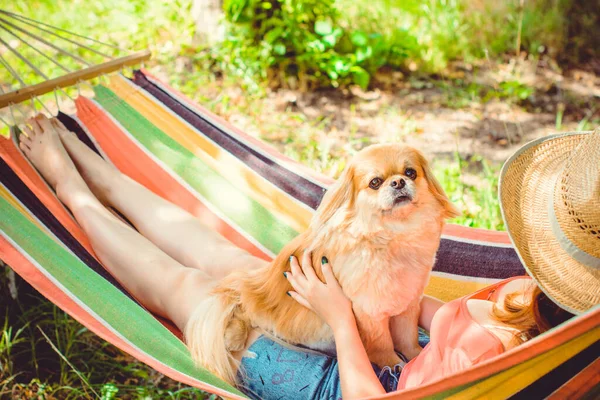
{"points": [[550, 200]]}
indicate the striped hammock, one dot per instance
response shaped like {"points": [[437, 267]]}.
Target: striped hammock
{"points": [[259, 200]]}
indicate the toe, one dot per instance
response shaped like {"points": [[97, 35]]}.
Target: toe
{"points": [[60, 128], [57, 124], [24, 139], [45, 124], [36, 129], [25, 147], [29, 128], [28, 136]]}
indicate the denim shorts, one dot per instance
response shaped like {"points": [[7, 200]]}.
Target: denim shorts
{"points": [[272, 370]]}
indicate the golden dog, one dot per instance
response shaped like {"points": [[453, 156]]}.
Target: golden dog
{"points": [[379, 226]]}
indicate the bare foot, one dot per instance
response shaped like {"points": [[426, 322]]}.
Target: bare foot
{"points": [[96, 172], [43, 148]]}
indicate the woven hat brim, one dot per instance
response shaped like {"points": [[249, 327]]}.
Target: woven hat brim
{"points": [[526, 186]]}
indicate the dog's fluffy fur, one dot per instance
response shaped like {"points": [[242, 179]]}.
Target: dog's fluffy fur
{"points": [[381, 243]]}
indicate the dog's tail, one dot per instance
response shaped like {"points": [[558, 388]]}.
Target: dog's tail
{"points": [[205, 336]]}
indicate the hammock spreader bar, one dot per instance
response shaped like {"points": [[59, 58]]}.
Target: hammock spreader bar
{"points": [[132, 124]]}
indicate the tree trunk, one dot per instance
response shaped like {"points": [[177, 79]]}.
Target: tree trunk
{"points": [[208, 15]]}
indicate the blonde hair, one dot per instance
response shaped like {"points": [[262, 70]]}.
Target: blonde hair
{"points": [[536, 316]]}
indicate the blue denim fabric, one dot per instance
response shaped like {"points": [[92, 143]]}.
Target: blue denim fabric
{"points": [[278, 372]]}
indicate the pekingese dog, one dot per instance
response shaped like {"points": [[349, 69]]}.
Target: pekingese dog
{"points": [[380, 226]]}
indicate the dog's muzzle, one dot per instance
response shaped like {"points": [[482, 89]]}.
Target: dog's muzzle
{"points": [[402, 198], [398, 194]]}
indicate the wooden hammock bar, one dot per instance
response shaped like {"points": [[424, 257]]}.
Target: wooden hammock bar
{"points": [[73, 78]]}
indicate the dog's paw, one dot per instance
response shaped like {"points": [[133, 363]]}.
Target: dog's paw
{"points": [[385, 358], [236, 335], [412, 352]]}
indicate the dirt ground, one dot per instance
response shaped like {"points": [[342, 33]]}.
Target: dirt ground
{"points": [[440, 115], [465, 111]]}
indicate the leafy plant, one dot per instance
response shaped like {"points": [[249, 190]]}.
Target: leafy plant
{"points": [[512, 90], [9, 337], [302, 43]]}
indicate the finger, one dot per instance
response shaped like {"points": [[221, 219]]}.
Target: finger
{"points": [[300, 299], [296, 274], [295, 282], [307, 266], [296, 270], [330, 278]]}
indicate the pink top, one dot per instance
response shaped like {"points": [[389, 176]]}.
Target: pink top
{"points": [[457, 342]]}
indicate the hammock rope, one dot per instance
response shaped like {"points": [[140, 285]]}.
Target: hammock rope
{"points": [[12, 72], [182, 152], [35, 48], [32, 22], [16, 32], [47, 43], [25, 60]]}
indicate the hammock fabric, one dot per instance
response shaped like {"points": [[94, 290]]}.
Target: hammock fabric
{"points": [[259, 200]]}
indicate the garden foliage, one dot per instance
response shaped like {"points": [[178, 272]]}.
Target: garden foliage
{"points": [[311, 44], [304, 43]]}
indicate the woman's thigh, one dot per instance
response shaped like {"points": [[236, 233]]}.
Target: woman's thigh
{"points": [[181, 235]]}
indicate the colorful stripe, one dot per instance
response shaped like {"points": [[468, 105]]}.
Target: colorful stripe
{"points": [[232, 169], [304, 190], [587, 381], [102, 299], [566, 375], [463, 251], [511, 381], [259, 200], [220, 193], [130, 156], [251, 143]]}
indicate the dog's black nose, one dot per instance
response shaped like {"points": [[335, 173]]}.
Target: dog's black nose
{"points": [[398, 184]]}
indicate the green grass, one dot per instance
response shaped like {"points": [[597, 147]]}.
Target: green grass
{"points": [[45, 354], [478, 200]]}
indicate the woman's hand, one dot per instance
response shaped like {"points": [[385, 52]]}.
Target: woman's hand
{"points": [[329, 302], [327, 299]]}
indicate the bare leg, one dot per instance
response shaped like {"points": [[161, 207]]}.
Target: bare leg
{"points": [[172, 229], [162, 284]]}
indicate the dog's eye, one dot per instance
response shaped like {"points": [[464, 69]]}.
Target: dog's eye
{"points": [[411, 173], [375, 183]]}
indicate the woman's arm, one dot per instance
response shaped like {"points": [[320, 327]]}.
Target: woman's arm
{"points": [[356, 372], [429, 306], [327, 299]]}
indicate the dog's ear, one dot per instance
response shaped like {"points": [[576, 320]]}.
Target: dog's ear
{"points": [[339, 195], [450, 210]]}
